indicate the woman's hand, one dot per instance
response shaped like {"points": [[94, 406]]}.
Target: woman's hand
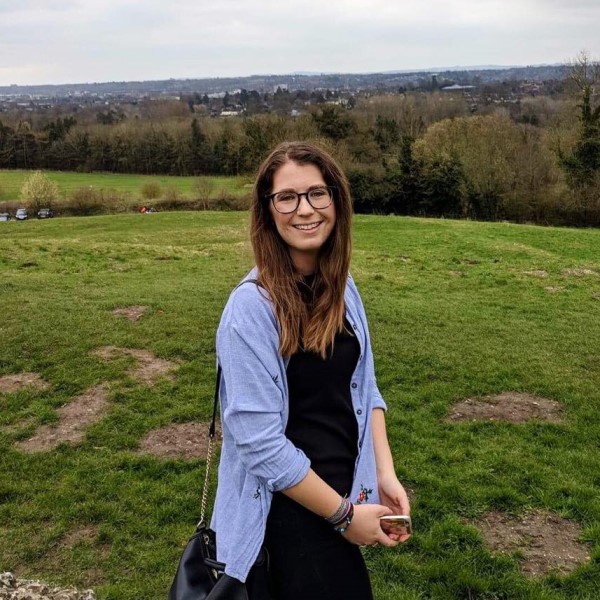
{"points": [[365, 529], [393, 495]]}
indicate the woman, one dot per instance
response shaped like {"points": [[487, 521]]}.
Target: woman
{"points": [[305, 466]]}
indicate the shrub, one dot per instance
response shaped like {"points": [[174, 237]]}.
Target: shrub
{"points": [[203, 188], [83, 201], [151, 190], [87, 201], [172, 194], [225, 201], [39, 191]]}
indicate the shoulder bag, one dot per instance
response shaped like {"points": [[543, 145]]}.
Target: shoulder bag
{"points": [[200, 576]]}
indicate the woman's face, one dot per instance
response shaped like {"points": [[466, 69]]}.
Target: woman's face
{"points": [[306, 229]]}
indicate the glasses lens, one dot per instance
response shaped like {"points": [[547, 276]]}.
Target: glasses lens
{"points": [[320, 197], [285, 202]]}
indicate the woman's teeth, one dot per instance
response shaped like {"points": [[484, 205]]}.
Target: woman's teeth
{"points": [[307, 227]]}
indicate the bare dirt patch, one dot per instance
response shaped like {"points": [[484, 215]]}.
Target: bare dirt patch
{"points": [[545, 541], [536, 273], [178, 440], [514, 407], [131, 313], [74, 418], [12, 588], [149, 367], [578, 272], [87, 533], [9, 384], [554, 289], [18, 426], [596, 295], [457, 273]]}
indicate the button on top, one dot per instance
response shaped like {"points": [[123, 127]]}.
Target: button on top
{"points": [[354, 385], [359, 412], [355, 326]]}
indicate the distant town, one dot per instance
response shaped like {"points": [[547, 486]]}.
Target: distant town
{"points": [[280, 94]]}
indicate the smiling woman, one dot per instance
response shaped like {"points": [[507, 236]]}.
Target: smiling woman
{"points": [[304, 220], [305, 465]]}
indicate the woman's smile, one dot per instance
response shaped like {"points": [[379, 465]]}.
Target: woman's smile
{"points": [[307, 226]]}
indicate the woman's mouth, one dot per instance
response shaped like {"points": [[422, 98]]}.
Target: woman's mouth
{"points": [[307, 226]]}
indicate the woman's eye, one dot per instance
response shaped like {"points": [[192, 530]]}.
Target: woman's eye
{"points": [[319, 193], [285, 197]]}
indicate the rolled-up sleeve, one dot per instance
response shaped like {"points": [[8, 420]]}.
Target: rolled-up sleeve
{"points": [[247, 350]]}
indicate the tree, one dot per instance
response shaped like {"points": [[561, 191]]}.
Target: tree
{"points": [[406, 181], [583, 164], [333, 122], [39, 191], [200, 150], [386, 132], [487, 150]]}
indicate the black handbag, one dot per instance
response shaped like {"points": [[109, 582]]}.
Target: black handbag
{"points": [[199, 575]]}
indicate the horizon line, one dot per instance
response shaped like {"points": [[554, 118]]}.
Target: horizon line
{"points": [[296, 74]]}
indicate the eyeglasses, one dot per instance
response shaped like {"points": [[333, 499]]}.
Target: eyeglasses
{"points": [[288, 202]]}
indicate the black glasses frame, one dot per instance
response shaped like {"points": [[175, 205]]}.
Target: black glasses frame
{"points": [[332, 189]]}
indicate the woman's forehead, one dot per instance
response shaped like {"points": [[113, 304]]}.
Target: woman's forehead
{"points": [[292, 174]]}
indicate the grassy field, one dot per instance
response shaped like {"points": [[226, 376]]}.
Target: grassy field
{"points": [[11, 182], [453, 314]]}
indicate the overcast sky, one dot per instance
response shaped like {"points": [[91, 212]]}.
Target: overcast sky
{"points": [[73, 41]]}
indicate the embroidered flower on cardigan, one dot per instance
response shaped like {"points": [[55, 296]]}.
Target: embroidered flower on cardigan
{"points": [[364, 494]]}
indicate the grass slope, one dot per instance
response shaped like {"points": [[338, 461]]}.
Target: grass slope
{"points": [[452, 314], [11, 182]]}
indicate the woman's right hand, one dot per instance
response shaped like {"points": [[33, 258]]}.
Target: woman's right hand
{"points": [[365, 528]]}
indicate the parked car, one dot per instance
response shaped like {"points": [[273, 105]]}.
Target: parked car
{"points": [[21, 214], [45, 213], [4, 217]]}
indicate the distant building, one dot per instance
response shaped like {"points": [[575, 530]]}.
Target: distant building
{"points": [[457, 88]]}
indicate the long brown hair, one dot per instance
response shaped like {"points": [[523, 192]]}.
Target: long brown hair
{"points": [[311, 325]]}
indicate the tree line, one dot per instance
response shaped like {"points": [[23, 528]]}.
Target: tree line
{"points": [[410, 154]]}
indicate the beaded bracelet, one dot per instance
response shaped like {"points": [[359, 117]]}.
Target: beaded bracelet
{"points": [[340, 513], [343, 524]]}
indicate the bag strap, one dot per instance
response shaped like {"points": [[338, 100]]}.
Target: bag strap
{"points": [[211, 436], [212, 431]]}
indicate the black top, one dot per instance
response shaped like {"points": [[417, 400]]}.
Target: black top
{"points": [[321, 420]]}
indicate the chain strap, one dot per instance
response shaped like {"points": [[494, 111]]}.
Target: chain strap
{"points": [[206, 474], [211, 438], [211, 435]]}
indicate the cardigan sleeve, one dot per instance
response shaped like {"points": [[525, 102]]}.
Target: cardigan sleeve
{"points": [[248, 352], [376, 397]]}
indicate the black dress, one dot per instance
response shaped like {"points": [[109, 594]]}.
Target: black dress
{"points": [[308, 559]]}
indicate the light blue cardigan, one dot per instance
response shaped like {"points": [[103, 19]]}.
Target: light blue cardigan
{"points": [[256, 457]]}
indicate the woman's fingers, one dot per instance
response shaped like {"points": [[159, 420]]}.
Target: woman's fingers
{"points": [[387, 541]]}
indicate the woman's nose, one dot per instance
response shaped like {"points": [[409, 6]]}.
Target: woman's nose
{"points": [[304, 206]]}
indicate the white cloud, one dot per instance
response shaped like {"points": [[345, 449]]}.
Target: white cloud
{"points": [[92, 40]]}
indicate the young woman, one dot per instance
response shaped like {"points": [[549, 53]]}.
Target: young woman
{"points": [[305, 466]]}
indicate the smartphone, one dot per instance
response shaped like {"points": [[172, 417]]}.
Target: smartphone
{"points": [[400, 524]]}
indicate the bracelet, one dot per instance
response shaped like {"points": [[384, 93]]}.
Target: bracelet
{"points": [[340, 513], [343, 525]]}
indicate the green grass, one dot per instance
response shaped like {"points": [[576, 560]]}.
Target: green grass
{"points": [[11, 182], [437, 336]]}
